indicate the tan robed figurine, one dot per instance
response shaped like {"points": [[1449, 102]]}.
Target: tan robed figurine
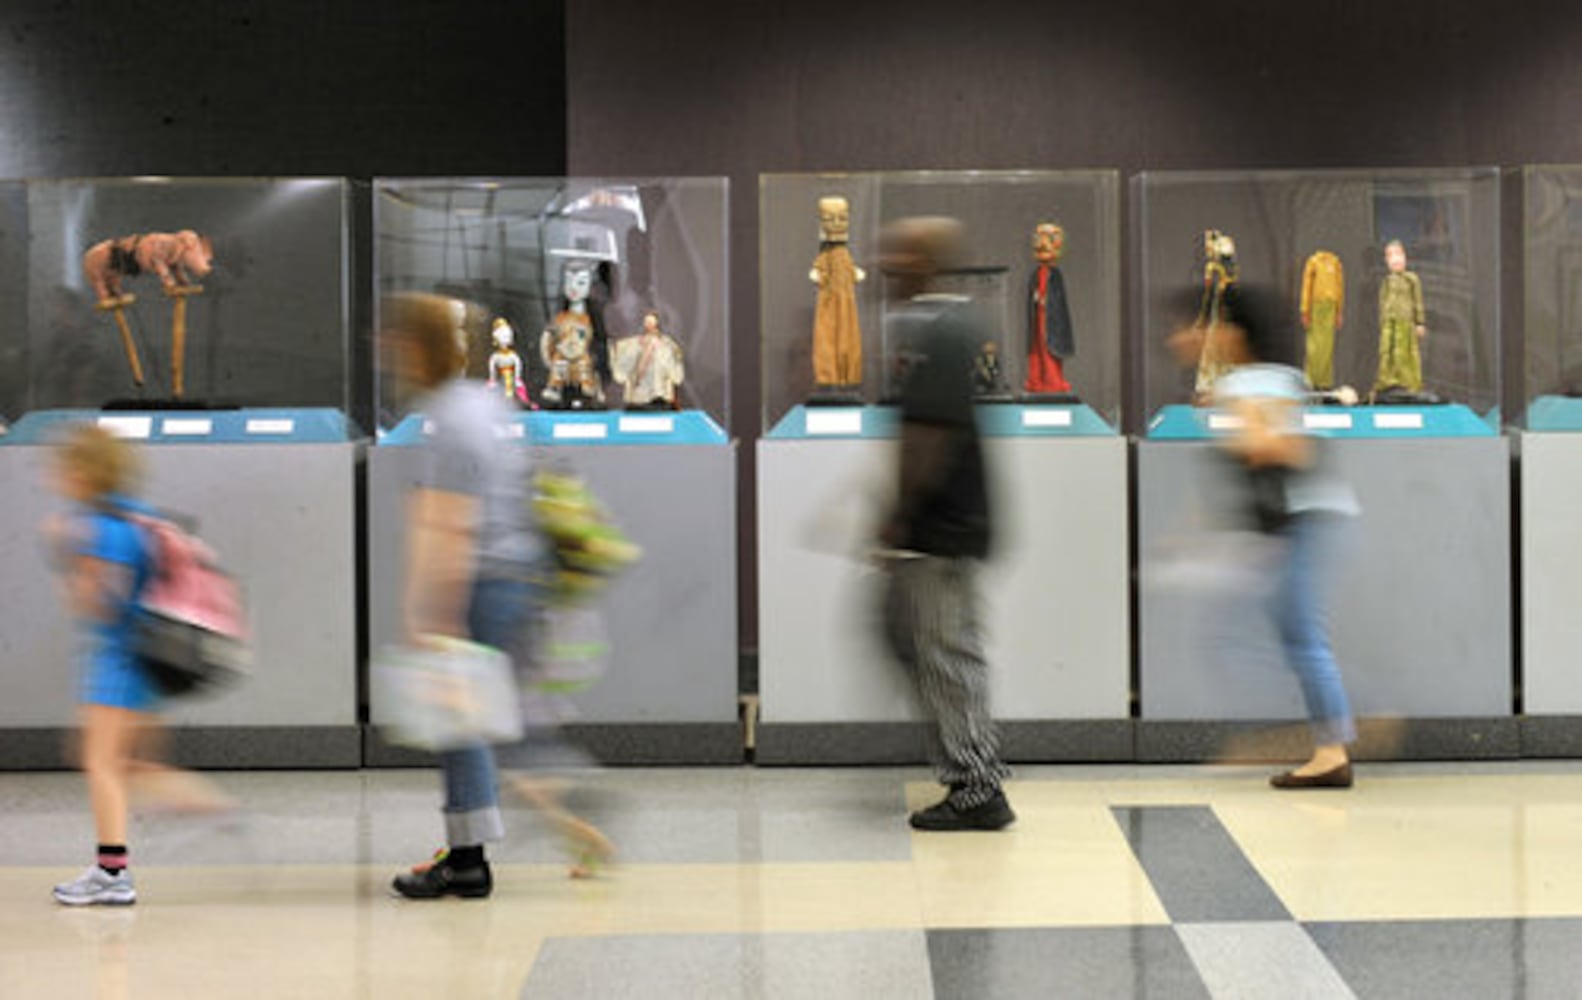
{"points": [[837, 335]]}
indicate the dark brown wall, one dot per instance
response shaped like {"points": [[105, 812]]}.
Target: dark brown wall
{"points": [[702, 87], [265, 87], [106, 88]]}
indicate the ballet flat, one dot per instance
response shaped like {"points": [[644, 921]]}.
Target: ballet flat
{"points": [[1335, 777]]}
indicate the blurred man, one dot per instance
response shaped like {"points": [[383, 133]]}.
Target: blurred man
{"points": [[939, 531]]}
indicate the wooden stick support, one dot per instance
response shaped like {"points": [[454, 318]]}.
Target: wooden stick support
{"points": [[178, 337], [131, 348]]}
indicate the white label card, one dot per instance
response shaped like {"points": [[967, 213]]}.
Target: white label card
{"points": [[581, 432], [262, 425], [648, 425], [1327, 421], [1224, 422], [1398, 421], [834, 421], [128, 427], [186, 427], [1046, 418]]}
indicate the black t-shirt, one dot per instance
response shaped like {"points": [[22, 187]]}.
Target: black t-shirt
{"points": [[939, 336]]}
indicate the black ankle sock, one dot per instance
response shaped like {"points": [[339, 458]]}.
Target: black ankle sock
{"points": [[112, 858], [465, 857]]}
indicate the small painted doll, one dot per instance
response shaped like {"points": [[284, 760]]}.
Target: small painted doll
{"points": [[1049, 334], [1219, 273], [569, 346], [505, 365]]}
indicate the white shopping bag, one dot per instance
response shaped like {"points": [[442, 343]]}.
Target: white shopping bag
{"points": [[447, 693]]}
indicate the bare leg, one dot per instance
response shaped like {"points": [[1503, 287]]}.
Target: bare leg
{"points": [[107, 737], [166, 788], [590, 849]]}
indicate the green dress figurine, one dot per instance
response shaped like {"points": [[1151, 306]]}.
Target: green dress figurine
{"points": [[1401, 320]]}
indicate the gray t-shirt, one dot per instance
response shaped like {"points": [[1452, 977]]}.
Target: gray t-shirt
{"points": [[469, 451]]}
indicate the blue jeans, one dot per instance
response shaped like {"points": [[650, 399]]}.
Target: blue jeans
{"points": [[497, 616], [1298, 607]]}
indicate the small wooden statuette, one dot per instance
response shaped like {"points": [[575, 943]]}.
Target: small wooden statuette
{"points": [[837, 330], [177, 259]]}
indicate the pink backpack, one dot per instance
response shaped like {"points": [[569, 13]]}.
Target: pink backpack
{"points": [[190, 631]]}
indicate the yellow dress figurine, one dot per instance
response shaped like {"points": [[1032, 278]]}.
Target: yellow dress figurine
{"points": [[1323, 308], [1401, 324]]}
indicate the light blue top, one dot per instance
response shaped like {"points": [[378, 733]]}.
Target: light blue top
{"points": [[1317, 489]]}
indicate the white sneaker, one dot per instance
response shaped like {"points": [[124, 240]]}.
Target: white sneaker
{"points": [[95, 886]]}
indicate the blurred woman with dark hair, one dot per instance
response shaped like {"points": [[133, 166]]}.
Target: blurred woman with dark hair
{"points": [[1289, 494]]}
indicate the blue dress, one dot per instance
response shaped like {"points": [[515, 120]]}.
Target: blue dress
{"points": [[110, 672]]}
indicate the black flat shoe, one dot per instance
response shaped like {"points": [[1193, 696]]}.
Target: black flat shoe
{"points": [[994, 814], [1335, 777], [441, 879]]}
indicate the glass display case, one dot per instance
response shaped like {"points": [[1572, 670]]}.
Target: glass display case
{"points": [[1550, 469], [1389, 280], [600, 302], [1051, 324], [1552, 296], [160, 293]]}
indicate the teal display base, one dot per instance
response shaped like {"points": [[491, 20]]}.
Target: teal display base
{"points": [[260, 426], [1191, 423], [603, 427], [1555, 413], [999, 420]]}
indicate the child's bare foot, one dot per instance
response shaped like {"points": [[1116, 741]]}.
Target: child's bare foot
{"points": [[590, 849]]}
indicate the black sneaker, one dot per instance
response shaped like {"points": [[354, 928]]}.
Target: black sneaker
{"points": [[431, 881], [992, 814]]}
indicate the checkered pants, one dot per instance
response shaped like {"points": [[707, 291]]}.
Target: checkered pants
{"points": [[931, 623]]}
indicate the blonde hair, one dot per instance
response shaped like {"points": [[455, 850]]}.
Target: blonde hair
{"points": [[428, 322], [105, 463]]}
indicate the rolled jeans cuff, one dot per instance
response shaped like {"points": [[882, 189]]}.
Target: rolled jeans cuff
{"points": [[464, 828], [1328, 732]]}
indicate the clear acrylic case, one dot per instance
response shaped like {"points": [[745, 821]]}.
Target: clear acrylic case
{"points": [[1001, 210], [1552, 296], [1277, 223], [508, 247], [267, 327]]}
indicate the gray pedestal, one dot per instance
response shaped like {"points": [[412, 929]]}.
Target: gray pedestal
{"points": [[1420, 603], [670, 692], [1055, 602], [1551, 565], [281, 518]]}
